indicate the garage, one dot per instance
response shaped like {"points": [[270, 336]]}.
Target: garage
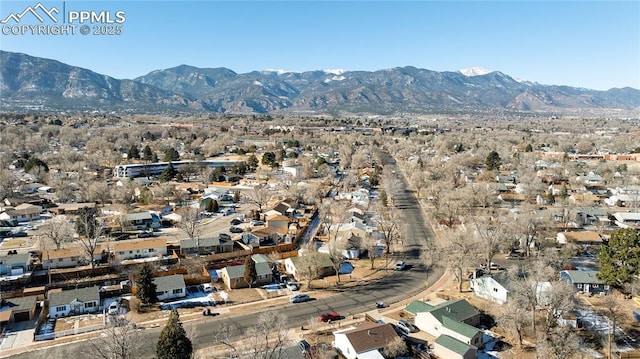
{"points": [[21, 316]]}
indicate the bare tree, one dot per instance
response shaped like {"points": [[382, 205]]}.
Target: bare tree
{"points": [[269, 337], [389, 223], [259, 196], [121, 340], [57, 230], [513, 316], [492, 235], [333, 216], [612, 310], [395, 347], [559, 343], [190, 223], [92, 229], [456, 253], [308, 265]]}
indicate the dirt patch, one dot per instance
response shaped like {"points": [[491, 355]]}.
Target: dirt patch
{"points": [[13, 243], [87, 320]]}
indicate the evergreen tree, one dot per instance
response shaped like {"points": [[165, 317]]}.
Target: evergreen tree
{"points": [[173, 342], [620, 258], [147, 154], [236, 196], [213, 206], [171, 155], [250, 273], [146, 288], [550, 198], [168, 173], [529, 148], [493, 161], [35, 162], [133, 152], [268, 159], [252, 161]]}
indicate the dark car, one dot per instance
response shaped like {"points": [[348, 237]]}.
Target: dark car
{"points": [[224, 236], [146, 234], [236, 230], [304, 346], [325, 317], [235, 222]]}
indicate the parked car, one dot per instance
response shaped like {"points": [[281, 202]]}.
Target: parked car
{"points": [[325, 317], [114, 308], [401, 265], [207, 288], [293, 286], [224, 236], [493, 266], [236, 230], [257, 223], [407, 327], [299, 298], [304, 346], [146, 234], [235, 221]]}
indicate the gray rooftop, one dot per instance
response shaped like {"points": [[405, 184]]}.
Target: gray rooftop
{"points": [[68, 296], [169, 282]]}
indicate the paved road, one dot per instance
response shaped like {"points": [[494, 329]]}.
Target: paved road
{"points": [[393, 288]]}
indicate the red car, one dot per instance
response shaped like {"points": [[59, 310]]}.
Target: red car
{"points": [[325, 317]]}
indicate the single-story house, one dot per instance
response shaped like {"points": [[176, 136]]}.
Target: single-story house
{"points": [[19, 309], [140, 248], [582, 238], [587, 216], [279, 222], [585, 281], [69, 257], [15, 264], [314, 264], [204, 246], [446, 347], [456, 318], [22, 213], [364, 340], [74, 302], [71, 208], [627, 219], [170, 287], [233, 276]]}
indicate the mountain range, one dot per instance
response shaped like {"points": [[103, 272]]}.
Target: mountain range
{"points": [[30, 83]]}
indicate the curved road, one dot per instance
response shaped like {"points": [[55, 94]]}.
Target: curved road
{"points": [[392, 288]]}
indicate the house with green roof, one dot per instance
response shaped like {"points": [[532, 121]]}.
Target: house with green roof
{"points": [[455, 318], [446, 347], [233, 276]]}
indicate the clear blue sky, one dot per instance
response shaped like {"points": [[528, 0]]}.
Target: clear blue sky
{"points": [[592, 44]]}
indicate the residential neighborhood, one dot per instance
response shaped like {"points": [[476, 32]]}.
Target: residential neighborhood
{"points": [[518, 239]]}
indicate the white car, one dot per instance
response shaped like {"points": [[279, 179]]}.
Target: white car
{"points": [[401, 265], [114, 308], [207, 288]]}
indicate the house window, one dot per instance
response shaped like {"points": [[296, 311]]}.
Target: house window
{"points": [[61, 308], [130, 252], [151, 250], [177, 291], [60, 259], [89, 304], [579, 285], [495, 290]]}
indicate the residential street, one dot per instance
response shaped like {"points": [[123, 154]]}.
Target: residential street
{"points": [[394, 288]]}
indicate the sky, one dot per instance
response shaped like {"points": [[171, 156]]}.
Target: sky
{"points": [[590, 44]]}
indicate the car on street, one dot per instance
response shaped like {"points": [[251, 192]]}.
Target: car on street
{"points": [[235, 221], [300, 298], [235, 229], [330, 316], [407, 327], [402, 265]]}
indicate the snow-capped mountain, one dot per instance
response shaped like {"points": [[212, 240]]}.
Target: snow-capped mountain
{"points": [[475, 71]]}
